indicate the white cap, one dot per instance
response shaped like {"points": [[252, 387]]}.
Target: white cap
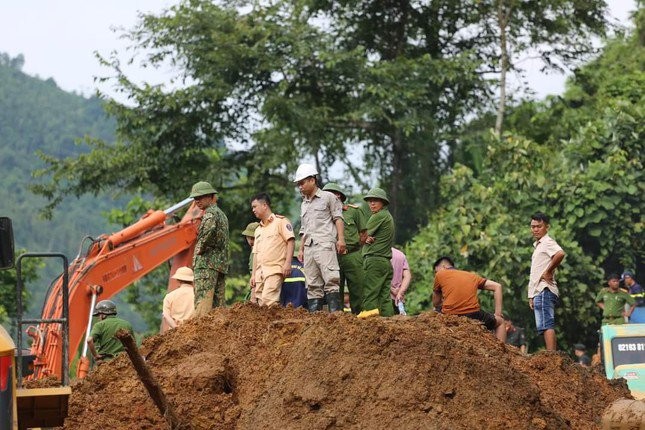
{"points": [[304, 171], [184, 274]]}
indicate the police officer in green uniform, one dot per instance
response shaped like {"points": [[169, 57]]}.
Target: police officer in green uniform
{"points": [[377, 253], [210, 260], [612, 301], [102, 343], [351, 262]]}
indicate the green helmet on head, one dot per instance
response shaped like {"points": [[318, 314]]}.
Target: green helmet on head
{"points": [[250, 229], [104, 307], [377, 193], [202, 189], [333, 186]]}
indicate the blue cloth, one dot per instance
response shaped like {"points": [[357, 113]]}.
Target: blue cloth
{"points": [[544, 309], [294, 288]]}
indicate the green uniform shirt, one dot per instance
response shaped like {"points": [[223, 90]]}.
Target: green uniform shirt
{"points": [[354, 220], [103, 335], [381, 227], [211, 249], [614, 303]]}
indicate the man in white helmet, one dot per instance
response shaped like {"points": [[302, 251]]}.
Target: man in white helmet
{"points": [[323, 235]]}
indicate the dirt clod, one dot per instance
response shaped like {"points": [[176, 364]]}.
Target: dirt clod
{"points": [[247, 368]]}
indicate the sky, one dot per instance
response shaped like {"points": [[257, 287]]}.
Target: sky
{"points": [[59, 38]]}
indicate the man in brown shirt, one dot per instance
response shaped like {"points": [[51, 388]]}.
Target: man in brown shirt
{"points": [[272, 251], [455, 291]]}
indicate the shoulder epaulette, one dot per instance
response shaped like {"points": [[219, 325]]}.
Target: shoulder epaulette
{"points": [[353, 206], [279, 216]]}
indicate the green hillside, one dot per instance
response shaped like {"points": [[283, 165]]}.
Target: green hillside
{"points": [[36, 115]]}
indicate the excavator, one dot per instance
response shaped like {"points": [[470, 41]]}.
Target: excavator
{"points": [[103, 267]]}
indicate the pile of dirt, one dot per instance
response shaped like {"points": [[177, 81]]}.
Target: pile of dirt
{"points": [[248, 368]]}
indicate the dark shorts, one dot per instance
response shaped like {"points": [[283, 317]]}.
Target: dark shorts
{"points": [[488, 319]]}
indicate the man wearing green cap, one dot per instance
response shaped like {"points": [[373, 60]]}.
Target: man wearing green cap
{"points": [[210, 260], [351, 262], [377, 253], [249, 234]]}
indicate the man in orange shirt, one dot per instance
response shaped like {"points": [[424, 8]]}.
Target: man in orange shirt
{"points": [[455, 291], [272, 251]]}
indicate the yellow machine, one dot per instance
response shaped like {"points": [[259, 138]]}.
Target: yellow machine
{"points": [[24, 408]]}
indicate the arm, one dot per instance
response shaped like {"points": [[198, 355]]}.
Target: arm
{"points": [[286, 268], [437, 298], [405, 283], [557, 258], [340, 244], [90, 345], [496, 288], [301, 251], [169, 320]]}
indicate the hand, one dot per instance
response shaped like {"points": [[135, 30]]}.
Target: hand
{"points": [[369, 240], [301, 255], [400, 297], [252, 282], [286, 269], [547, 277], [341, 248], [531, 304], [99, 358]]}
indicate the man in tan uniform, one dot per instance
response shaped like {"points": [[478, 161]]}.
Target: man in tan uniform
{"points": [[323, 236], [179, 304], [272, 252]]}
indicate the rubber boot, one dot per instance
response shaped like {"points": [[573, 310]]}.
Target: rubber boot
{"points": [[333, 302], [314, 305]]}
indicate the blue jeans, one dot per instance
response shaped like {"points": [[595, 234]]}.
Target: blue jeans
{"points": [[544, 309]]}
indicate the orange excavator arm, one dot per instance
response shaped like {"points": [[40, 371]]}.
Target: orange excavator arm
{"points": [[110, 264]]}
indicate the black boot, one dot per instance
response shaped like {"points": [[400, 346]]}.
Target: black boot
{"points": [[333, 302], [314, 305]]}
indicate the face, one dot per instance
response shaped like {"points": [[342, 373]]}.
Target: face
{"points": [[203, 202], [259, 209], [375, 205], [613, 284], [539, 229], [338, 195], [307, 186], [250, 240]]}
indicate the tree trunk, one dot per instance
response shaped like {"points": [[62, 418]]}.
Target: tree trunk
{"points": [[502, 20]]}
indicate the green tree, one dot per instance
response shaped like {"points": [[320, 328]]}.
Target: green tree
{"points": [[582, 165], [8, 283]]}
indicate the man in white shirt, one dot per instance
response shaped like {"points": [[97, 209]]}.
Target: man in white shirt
{"points": [[543, 290]]}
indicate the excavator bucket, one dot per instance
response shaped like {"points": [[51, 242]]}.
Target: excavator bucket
{"points": [[42, 407]]}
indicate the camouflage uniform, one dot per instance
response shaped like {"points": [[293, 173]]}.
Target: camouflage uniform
{"points": [[210, 262]]}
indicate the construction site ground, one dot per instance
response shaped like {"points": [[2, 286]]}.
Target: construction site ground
{"points": [[247, 367]]}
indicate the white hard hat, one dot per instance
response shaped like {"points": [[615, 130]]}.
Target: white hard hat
{"points": [[305, 170]]}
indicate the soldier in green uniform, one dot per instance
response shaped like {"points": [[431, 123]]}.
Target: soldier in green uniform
{"points": [[612, 301], [102, 344], [249, 234], [351, 262], [210, 261], [377, 253]]}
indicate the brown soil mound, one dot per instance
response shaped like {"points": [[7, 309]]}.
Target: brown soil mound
{"points": [[249, 368]]}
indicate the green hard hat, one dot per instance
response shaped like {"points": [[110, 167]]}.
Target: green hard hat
{"points": [[377, 193], [250, 229], [333, 186], [202, 189], [105, 307]]}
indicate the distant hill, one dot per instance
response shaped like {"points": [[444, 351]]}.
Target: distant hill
{"points": [[37, 115]]}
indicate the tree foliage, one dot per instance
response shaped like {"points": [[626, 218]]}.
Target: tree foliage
{"points": [[582, 164]]}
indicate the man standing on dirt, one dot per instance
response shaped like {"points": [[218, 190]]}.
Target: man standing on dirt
{"points": [[612, 301], [351, 262], [210, 261], [249, 235], [456, 292], [322, 234], [401, 278], [272, 251], [543, 290], [638, 293], [377, 253]]}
